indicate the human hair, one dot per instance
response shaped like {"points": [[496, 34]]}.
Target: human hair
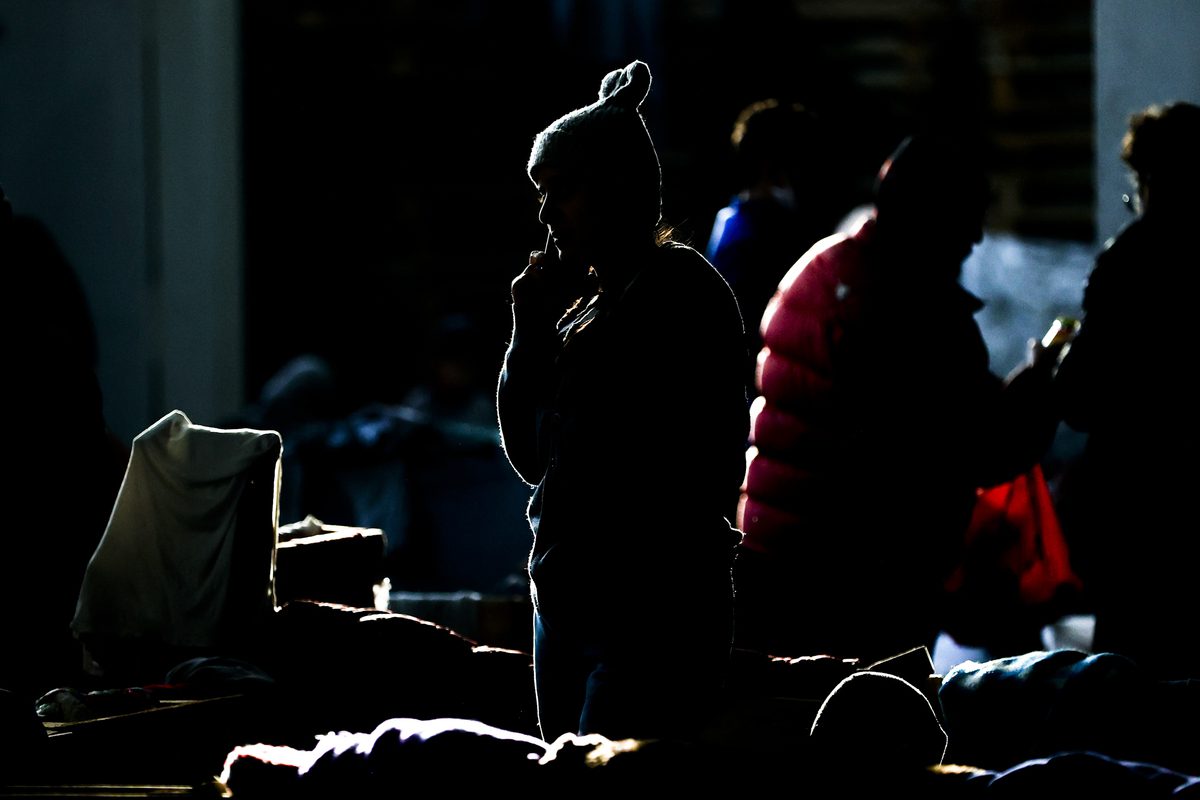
{"points": [[773, 134], [1162, 147], [665, 232]]}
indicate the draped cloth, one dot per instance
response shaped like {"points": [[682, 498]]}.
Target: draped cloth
{"points": [[189, 550]]}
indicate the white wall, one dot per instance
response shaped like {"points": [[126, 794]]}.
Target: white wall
{"points": [[1147, 51], [119, 131]]}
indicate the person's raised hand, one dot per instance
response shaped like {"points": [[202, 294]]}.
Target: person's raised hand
{"points": [[547, 287]]}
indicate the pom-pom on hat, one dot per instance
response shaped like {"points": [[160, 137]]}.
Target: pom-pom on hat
{"points": [[607, 141]]}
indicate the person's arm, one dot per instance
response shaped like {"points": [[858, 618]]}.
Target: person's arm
{"points": [[539, 300], [1081, 393], [517, 395], [1024, 417], [987, 429]]}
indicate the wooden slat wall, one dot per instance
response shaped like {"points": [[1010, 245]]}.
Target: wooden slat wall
{"points": [[1022, 70]]}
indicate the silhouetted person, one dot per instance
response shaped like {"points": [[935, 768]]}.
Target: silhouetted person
{"points": [[1125, 381], [783, 205], [622, 402], [67, 464], [465, 530], [877, 418], [452, 392]]}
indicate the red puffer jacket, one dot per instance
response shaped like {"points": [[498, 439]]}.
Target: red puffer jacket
{"points": [[877, 418], [790, 420], [872, 378]]}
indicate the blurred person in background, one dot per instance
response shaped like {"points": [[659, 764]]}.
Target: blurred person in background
{"points": [[784, 203], [1126, 503], [877, 418]]}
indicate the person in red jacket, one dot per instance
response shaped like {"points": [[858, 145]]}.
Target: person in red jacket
{"points": [[877, 418]]}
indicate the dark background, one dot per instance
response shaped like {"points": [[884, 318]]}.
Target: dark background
{"points": [[384, 143]]}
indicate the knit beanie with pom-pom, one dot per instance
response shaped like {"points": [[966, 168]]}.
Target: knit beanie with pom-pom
{"points": [[607, 144]]}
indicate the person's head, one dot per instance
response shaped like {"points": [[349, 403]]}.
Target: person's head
{"points": [[1162, 149], [932, 193], [455, 356], [877, 719], [598, 172], [775, 143], [303, 391]]}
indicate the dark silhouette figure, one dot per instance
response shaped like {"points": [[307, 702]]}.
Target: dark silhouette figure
{"points": [[622, 402], [428, 471], [303, 401], [464, 529], [67, 464], [1126, 502], [452, 390], [877, 418], [783, 205]]}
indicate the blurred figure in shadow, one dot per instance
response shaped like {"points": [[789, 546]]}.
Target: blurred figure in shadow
{"points": [[783, 205], [622, 401], [464, 529], [452, 391], [428, 470], [877, 418], [301, 402], [304, 392], [67, 464], [1126, 502]]}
